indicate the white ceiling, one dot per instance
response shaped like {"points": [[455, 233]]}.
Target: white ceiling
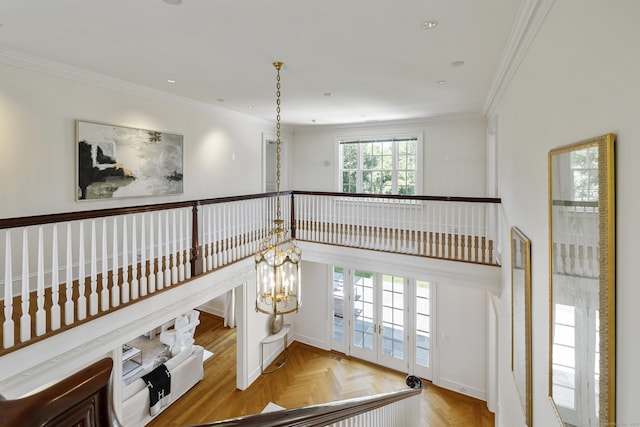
{"points": [[372, 55]]}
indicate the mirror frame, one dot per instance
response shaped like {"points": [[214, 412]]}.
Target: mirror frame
{"points": [[521, 283], [606, 276]]}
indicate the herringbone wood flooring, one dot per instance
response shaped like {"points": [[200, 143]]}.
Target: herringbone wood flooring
{"points": [[310, 376]]}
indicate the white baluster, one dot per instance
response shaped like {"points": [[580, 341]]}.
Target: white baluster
{"points": [[143, 256], [167, 250], [8, 327], [55, 282], [217, 253], [82, 299], [25, 318], [224, 234], [93, 283], [69, 305], [104, 294], [174, 265], [209, 263], [125, 263], [189, 245], [135, 289], [152, 260], [115, 269], [472, 234], [159, 269], [180, 248], [41, 315]]}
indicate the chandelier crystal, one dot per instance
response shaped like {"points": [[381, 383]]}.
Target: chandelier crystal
{"points": [[278, 289]]}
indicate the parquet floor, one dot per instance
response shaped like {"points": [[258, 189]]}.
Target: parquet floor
{"points": [[310, 376]]}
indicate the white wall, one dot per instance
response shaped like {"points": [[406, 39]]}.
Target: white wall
{"points": [[461, 340], [453, 153], [222, 150], [313, 323], [578, 80]]}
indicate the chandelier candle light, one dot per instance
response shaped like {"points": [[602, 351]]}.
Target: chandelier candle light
{"points": [[278, 260]]}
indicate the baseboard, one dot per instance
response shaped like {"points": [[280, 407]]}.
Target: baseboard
{"points": [[311, 341], [461, 388]]}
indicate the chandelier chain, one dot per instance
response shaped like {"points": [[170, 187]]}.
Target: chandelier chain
{"points": [[278, 211]]}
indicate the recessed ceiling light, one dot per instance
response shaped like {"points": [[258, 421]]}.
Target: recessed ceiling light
{"points": [[220, 99], [442, 82], [328, 94], [428, 25], [250, 107], [174, 2], [457, 64], [171, 81]]}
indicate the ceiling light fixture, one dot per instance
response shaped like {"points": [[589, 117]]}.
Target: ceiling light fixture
{"points": [[171, 81], [278, 288], [442, 82], [430, 24], [457, 64], [173, 2]]}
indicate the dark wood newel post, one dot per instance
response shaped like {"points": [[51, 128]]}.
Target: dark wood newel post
{"points": [[293, 216], [196, 254]]}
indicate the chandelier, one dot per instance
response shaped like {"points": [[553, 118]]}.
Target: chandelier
{"points": [[278, 288]]}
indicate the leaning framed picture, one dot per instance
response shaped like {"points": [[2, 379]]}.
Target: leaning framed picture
{"points": [[117, 162]]}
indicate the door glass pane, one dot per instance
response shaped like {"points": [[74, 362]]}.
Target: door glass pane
{"points": [[363, 309], [338, 304], [422, 323], [564, 359], [393, 316]]}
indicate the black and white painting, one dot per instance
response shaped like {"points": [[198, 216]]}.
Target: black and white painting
{"points": [[116, 162]]}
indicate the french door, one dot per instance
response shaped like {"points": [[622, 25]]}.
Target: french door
{"points": [[383, 319]]}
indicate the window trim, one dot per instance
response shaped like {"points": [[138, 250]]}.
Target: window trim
{"points": [[406, 135]]}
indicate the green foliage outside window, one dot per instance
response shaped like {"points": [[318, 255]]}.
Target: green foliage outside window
{"points": [[385, 166]]}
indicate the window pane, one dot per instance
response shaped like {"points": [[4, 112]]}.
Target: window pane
{"points": [[381, 166], [422, 323]]}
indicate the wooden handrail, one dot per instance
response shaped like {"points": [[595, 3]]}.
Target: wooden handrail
{"points": [[100, 213], [317, 415], [83, 398], [402, 197]]}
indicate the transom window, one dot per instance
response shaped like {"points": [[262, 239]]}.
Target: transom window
{"points": [[379, 165]]}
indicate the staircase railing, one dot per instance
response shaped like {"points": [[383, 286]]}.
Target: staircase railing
{"points": [[397, 408], [61, 270]]}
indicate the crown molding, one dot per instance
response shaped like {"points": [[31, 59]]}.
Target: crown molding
{"points": [[57, 69], [447, 118], [530, 18]]}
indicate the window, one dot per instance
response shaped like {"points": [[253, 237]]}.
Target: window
{"points": [[584, 166], [379, 165]]}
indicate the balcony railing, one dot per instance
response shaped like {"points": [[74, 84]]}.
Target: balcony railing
{"points": [[62, 270]]}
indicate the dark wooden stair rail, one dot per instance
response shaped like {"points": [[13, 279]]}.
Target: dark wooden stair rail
{"points": [[82, 399]]}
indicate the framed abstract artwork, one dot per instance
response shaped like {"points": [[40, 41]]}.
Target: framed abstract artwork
{"points": [[118, 162]]}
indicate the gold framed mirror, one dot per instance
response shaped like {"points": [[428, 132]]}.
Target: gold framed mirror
{"points": [[582, 282], [521, 318]]}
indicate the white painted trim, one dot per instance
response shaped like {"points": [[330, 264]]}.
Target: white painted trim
{"points": [[448, 118], [468, 274], [461, 388], [243, 378], [530, 17]]}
